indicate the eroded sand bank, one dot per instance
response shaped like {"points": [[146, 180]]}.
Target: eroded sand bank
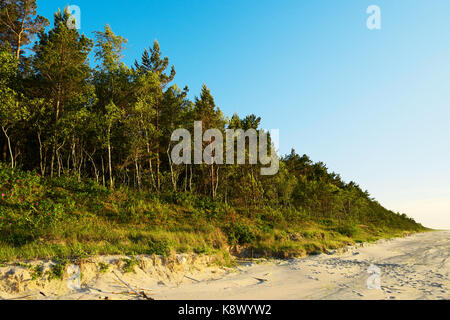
{"points": [[416, 267]]}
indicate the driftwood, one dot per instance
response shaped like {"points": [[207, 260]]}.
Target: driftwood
{"points": [[192, 279], [141, 295], [133, 292], [145, 296], [261, 280]]}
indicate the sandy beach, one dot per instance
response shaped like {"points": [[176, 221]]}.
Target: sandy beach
{"points": [[415, 267]]}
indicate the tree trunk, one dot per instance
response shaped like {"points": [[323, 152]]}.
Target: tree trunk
{"points": [[150, 162], [213, 191], [41, 155], [138, 177], [158, 161], [217, 181], [58, 104], [19, 41], [174, 180], [185, 178], [96, 173], [103, 172], [82, 161], [5, 131], [190, 179], [22, 29], [59, 159], [111, 180]]}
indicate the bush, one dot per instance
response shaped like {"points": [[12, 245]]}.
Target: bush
{"points": [[159, 247], [239, 233], [347, 230], [129, 265], [58, 269], [88, 186]]}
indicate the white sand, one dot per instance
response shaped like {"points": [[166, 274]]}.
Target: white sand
{"points": [[416, 267]]}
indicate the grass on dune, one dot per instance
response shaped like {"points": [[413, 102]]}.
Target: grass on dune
{"points": [[64, 218]]}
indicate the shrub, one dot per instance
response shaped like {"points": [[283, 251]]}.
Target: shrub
{"points": [[159, 247], [239, 233], [103, 267], [130, 264], [58, 269], [37, 272], [347, 230]]}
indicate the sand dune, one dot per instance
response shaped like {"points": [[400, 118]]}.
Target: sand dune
{"points": [[416, 267]]}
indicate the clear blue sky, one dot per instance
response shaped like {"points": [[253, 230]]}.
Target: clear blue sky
{"points": [[373, 105]]}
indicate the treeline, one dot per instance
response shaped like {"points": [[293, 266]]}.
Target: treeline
{"points": [[63, 115]]}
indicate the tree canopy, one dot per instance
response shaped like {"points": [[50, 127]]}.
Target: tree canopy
{"points": [[112, 124]]}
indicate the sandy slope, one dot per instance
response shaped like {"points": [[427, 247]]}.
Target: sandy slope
{"points": [[416, 267]]}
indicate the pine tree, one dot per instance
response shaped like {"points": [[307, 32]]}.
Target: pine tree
{"points": [[19, 23], [61, 66], [205, 110], [153, 62]]}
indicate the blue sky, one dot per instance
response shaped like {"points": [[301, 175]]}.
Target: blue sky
{"points": [[373, 105]]}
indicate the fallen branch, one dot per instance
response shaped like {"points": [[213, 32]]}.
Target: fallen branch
{"points": [[192, 279], [145, 296], [134, 291]]}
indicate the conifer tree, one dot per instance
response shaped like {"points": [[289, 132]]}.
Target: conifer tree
{"points": [[61, 66], [153, 62], [19, 23]]}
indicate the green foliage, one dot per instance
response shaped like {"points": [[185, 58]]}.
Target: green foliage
{"points": [[348, 230], [59, 217], [19, 24], [37, 272], [103, 267], [57, 269], [130, 264], [97, 144], [158, 247], [109, 49], [239, 233]]}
